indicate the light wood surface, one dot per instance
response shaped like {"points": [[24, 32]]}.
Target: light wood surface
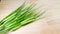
{"points": [[48, 25]]}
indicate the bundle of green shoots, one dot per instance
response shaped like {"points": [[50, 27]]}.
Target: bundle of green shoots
{"points": [[18, 18]]}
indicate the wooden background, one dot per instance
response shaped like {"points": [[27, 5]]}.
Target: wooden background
{"points": [[48, 25]]}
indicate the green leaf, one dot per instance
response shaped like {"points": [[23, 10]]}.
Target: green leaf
{"points": [[20, 17]]}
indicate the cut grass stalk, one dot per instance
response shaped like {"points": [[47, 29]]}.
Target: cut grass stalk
{"points": [[20, 17]]}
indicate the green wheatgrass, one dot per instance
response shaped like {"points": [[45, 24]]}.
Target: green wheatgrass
{"points": [[22, 15], [18, 18], [19, 14]]}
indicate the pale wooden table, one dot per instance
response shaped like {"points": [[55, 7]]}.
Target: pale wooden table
{"points": [[48, 25]]}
